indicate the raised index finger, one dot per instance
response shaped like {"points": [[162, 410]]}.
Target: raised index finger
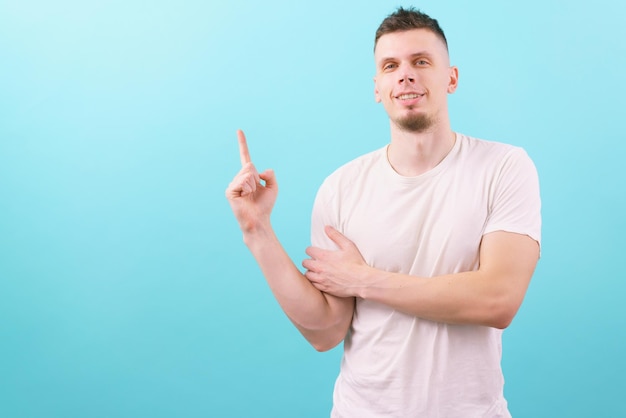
{"points": [[244, 154]]}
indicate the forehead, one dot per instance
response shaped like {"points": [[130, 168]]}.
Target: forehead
{"points": [[408, 43]]}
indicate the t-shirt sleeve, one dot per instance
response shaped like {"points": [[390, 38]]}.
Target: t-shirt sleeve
{"points": [[324, 213], [515, 204]]}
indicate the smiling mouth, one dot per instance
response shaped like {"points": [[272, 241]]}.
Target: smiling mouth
{"points": [[409, 96]]}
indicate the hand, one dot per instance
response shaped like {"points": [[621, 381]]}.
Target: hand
{"points": [[342, 272], [250, 200]]}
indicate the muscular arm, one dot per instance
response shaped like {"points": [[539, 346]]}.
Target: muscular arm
{"points": [[321, 318], [489, 296]]}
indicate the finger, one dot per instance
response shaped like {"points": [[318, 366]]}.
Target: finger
{"points": [[337, 237], [270, 179], [308, 264], [244, 153], [249, 186], [316, 253], [312, 276], [243, 184], [250, 169], [316, 281]]}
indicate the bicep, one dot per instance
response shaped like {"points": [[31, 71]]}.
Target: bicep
{"points": [[509, 260]]}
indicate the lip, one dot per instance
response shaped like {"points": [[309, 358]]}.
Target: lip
{"points": [[409, 97]]}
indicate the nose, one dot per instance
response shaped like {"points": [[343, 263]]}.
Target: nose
{"points": [[406, 77], [406, 73]]}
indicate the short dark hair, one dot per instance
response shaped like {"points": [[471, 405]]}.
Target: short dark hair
{"points": [[406, 19]]}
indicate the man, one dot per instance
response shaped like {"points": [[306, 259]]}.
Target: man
{"points": [[422, 250]]}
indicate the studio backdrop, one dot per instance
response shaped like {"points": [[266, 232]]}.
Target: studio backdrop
{"points": [[125, 287]]}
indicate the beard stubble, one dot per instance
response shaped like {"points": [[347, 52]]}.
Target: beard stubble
{"points": [[415, 123]]}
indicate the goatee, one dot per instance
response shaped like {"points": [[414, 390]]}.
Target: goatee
{"points": [[415, 123]]}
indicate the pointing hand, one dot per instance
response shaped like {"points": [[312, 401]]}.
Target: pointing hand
{"points": [[251, 200]]}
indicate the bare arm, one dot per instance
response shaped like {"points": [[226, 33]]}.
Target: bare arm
{"points": [[489, 296], [322, 319]]}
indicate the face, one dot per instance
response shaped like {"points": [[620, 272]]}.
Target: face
{"points": [[413, 79]]}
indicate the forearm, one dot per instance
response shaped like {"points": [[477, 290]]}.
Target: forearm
{"points": [[321, 318], [489, 296], [462, 298]]}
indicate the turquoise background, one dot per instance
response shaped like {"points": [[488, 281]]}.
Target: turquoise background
{"points": [[125, 288]]}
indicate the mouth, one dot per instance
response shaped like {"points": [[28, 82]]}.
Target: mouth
{"points": [[409, 96]]}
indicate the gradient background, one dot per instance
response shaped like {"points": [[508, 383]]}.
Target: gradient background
{"points": [[125, 288]]}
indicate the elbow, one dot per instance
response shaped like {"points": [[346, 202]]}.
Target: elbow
{"points": [[325, 341], [323, 346], [327, 335], [501, 322], [502, 316]]}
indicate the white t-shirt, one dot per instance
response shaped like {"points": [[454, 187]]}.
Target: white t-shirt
{"points": [[398, 365]]}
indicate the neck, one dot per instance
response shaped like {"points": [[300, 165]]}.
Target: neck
{"points": [[411, 154]]}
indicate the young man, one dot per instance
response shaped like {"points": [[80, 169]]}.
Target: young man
{"points": [[422, 250]]}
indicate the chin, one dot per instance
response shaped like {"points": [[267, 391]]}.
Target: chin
{"points": [[415, 123]]}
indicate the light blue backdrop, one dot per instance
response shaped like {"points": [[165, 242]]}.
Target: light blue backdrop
{"points": [[125, 288]]}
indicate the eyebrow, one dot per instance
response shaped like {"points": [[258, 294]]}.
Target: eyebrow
{"points": [[424, 54]]}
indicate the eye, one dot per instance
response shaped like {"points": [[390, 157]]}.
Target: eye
{"points": [[389, 66], [421, 62]]}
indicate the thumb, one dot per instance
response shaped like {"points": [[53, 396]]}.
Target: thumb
{"points": [[337, 237], [270, 178]]}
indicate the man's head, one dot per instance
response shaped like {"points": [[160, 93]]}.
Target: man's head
{"points": [[407, 19], [413, 72]]}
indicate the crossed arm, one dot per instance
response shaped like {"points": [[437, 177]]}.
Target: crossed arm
{"points": [[489, 296], [320, 303]]}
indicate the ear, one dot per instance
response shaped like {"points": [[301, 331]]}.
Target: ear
{"points": [[376, 94], [453, 82]]}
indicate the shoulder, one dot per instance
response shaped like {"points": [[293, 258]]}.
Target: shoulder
{"points": [[357, 168], [483, 147], [491, 153], [348, 179]]}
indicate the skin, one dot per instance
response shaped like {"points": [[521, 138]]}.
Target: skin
{"points": [[415, 61], [320, 303], [323, 319]]}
